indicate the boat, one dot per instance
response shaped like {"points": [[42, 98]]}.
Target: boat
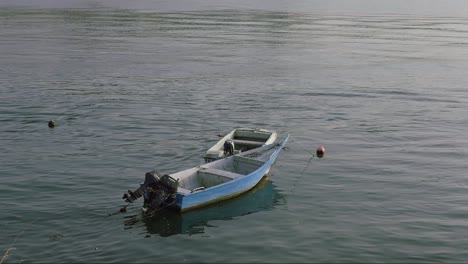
{"points": [[207, 183], [240, 140]]}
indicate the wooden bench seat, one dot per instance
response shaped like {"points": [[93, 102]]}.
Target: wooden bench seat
{"points": [[248, 142], [223, 173]]}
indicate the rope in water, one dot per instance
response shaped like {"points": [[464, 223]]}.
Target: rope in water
{"points": [[300, 147], [305, 167]]}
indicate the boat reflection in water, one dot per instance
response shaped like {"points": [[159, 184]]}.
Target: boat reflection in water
{"points": [[262, 197]]}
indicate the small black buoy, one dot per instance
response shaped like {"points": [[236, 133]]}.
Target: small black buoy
{"points": [[320, 152], [51, 123]]}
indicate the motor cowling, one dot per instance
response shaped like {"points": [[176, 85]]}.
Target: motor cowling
{"points": [[151, 178]]}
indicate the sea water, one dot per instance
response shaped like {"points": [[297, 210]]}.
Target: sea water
{"points": [[142, 85]]}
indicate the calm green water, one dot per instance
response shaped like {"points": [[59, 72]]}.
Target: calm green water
{"points": [[149, 84]]}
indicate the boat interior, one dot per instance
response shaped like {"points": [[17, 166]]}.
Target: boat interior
{"points": [[218, 172], [245, 139]]}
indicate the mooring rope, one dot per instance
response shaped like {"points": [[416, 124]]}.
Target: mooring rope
{"points": [[305, 167]]}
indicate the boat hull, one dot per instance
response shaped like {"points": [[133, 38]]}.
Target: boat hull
{"points": [[230, 189]]}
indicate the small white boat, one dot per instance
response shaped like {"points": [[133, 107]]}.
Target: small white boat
{"points": [[240, 140], [208, 183]]}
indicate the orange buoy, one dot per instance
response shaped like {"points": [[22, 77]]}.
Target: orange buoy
{"points": [[320, 152]]}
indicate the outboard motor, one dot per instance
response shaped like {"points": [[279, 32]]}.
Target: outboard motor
{"points": [[228, 148], [157, 191], [162, 194], [151, 178]]}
